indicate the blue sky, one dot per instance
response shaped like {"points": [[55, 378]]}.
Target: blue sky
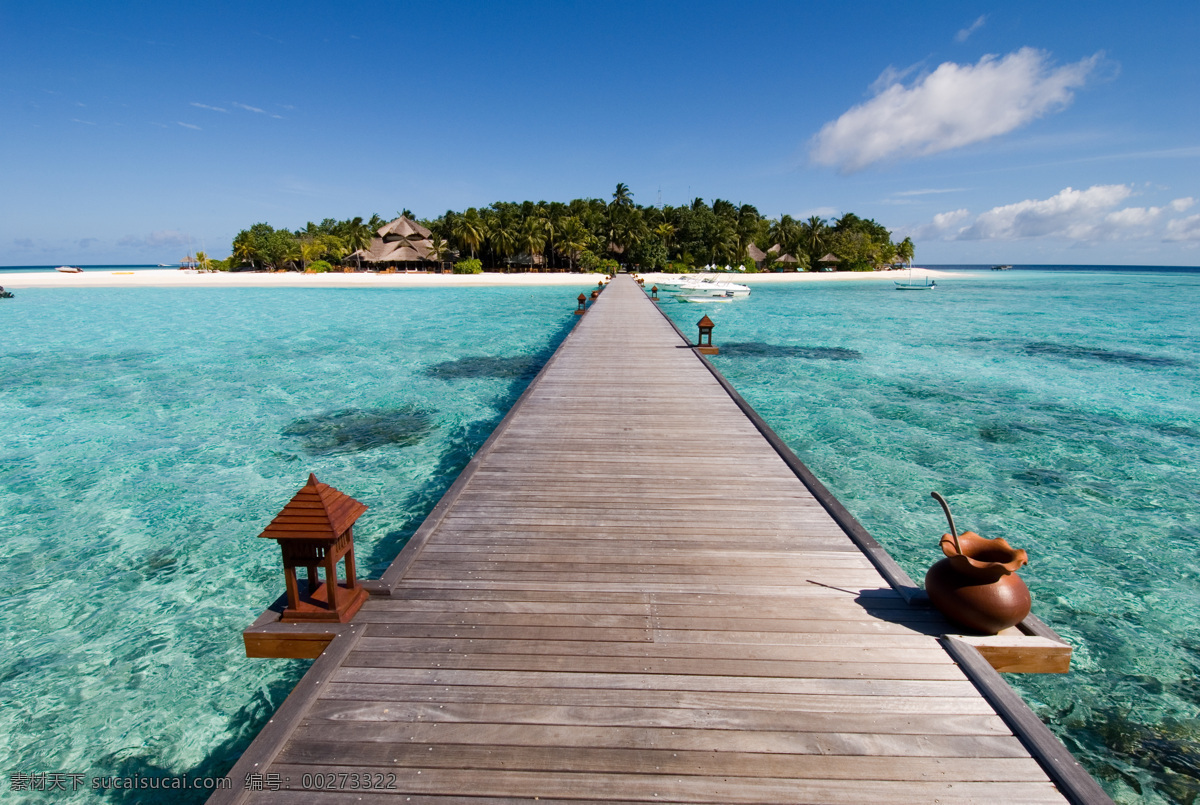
{"points": [[1015, 132]]}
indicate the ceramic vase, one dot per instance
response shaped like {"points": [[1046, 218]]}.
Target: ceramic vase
{"points": [[976, 585]]}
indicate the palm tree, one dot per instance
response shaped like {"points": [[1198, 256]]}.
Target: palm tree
{"points": [[533, 237], [621, 196], [786, 232], [202, 261], [437, 248], [469, 230], [905, 250], [572, 239], [332, 246], [310, 249], [244, 250], [724, 241], [357, 235], [814, 236], [503, 238], [666, 232]]}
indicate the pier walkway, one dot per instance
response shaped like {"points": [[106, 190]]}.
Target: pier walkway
{"points": [[630, 596]]}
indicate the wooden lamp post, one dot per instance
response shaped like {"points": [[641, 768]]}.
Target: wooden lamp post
{"points": [[579, 311], [315, 530], [654, 292], [706, 327]]}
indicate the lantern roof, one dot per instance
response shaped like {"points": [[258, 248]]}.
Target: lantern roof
{"points": [[705, 322], [318, 512]]}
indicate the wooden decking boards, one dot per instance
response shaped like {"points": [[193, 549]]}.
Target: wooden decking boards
{"points": [[629, 596]]}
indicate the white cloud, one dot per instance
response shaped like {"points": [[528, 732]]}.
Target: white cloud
{"points": [[962, 35], [211, 108], [248, 108], [1081, 216], [1133, 217], [1072, 214], [84, 122], [1181, 204], [190, 126], [954, 106], [1184, 229]]}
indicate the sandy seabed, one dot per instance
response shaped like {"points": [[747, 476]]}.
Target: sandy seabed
{"points": [[173, 278]]}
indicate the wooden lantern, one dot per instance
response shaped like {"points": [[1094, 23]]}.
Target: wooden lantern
{"points": [[706, 327], [654, 292], [579, 311], [315, 530]]}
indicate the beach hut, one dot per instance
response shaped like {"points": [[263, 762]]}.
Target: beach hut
{"points": [[787, 263], [756, 254], [402, 242], [829, 262]]}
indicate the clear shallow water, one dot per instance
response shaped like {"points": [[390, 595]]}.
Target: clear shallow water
{"points": [[1060, 412], [147, 437]]}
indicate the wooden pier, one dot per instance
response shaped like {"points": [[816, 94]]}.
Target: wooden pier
{"points": [[635, 593]]}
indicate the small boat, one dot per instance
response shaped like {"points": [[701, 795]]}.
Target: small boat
{"points": [[5, 294], [711, 287], [69, 270], [915, 284], [727, 298], [1001, 268]]}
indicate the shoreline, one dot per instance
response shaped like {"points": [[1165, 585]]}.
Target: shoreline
{"points": [[174, 278]]}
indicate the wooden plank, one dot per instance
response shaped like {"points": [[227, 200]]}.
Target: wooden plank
{"points": [[790, 742], [676, 788], [1075, 783], [678, 718], [624, 697], [280, 728], [650, 761], [1024, 654]]}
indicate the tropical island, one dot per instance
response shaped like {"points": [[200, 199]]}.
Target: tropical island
{"points": [[580, 235]]}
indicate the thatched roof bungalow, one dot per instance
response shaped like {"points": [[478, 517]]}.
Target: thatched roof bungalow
{"points": [[400, 241], [787, 260]]}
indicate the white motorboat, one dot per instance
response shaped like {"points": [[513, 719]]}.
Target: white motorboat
{"points": [[69, 269], [706, 286], [705, 298], [911, 283]]}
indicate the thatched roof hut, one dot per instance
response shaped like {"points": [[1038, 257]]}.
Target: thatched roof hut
{"points": [[400, 241], [405, 228], [756, 254], [787, 258], [829, 258], [776, 249]]}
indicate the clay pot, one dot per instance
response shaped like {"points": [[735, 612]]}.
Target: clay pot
{"points": [[976, 585]]}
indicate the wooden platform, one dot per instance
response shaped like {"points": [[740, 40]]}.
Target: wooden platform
{"points": [[629, 595]]}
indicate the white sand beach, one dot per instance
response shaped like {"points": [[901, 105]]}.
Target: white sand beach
{"points": [[173, 278]]}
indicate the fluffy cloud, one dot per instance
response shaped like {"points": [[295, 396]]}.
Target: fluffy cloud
{"points": [[953, 106], [1076, 215], [1184, 229]]}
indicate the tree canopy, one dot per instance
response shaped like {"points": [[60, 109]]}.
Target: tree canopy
{"points": [[577, 233]]}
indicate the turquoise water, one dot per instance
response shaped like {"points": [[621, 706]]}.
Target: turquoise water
{"points": [[148, 436], [1060, 412]]}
